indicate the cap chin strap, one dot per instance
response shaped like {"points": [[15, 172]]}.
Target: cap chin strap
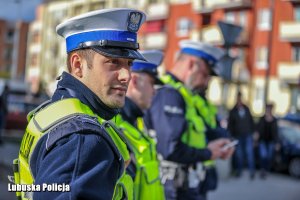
{"points": [[109, 43]]}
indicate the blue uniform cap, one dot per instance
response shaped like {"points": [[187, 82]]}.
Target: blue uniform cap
{"points": [[154, 59], [205, 51], [111, 32]]}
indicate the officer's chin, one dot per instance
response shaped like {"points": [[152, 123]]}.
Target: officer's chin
{"points": [[117, 102]]}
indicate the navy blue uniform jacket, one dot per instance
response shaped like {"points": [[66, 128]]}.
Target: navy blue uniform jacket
{"points": [[84, 160], [167, 117]]}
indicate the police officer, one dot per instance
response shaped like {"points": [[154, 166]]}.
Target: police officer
{"points": [[70, 140], [208, 112], [179, 131], [144, 167]]}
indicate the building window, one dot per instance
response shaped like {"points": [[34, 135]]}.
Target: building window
{"points": [[230, 17], [155, 26], [259, 94], [243, 19], [59, 14], [258, 98], [35, 37], [297, 14], [296, 54], [184, 25], [262, 57], [10, 35], [33, 60], [295, 100], [239, 18], [264, 19]]}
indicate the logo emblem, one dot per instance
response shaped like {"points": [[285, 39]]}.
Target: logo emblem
{"points": [[134, 21]]}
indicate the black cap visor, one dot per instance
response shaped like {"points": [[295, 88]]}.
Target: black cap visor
{"points": [[116, 52]]}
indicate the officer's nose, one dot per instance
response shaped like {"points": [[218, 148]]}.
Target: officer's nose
{"points": [[124, 75]]}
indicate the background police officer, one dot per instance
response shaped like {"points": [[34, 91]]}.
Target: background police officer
{"points": [[178, 129], [79, 147], [208, 112], [144, 167]]}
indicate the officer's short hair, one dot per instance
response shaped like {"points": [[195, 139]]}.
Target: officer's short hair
{"points": [[181, 56], [87, 54]]}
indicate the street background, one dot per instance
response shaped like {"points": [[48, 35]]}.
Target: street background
{"points": [[261, 39], [276, 186]]}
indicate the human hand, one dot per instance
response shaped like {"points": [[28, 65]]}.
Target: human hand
{"points": [[215, 147], [227, 153]]}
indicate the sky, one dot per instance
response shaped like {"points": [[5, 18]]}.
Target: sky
{"points": [[14, 10]]}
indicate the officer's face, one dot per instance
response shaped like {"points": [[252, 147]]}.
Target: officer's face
{"points": [[200, 75], [145, 90], [108, 79]]}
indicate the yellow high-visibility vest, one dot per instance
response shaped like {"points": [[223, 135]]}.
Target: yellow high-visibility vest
{"points": [[147, 184], [194, 136]]}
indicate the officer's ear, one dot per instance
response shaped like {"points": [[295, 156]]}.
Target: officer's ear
{"points": [[76, 63], [189, 63]]}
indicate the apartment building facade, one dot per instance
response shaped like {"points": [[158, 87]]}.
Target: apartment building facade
{"points": [[13, 37], [268, 44]]}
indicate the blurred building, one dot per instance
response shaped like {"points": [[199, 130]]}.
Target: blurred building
{"points": [[264, 27], [268, 44], [13, 37]]}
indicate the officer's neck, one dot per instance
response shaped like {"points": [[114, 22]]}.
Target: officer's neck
{"points": [[70, 87]]}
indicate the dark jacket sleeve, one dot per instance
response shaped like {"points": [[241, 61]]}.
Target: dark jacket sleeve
{"points": [[216, 133], [84, 161], [231, 123], [167, 117]]}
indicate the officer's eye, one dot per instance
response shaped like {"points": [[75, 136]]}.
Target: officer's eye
{"points": [[114, 61]]}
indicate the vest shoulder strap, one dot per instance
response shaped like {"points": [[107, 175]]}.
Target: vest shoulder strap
{"points": [[58, 112]]}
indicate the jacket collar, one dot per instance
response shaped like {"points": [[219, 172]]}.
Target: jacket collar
{"points": [[174, 77]]}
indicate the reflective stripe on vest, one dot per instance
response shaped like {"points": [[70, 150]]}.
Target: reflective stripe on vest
{"points": [[206, 110], [49, 117], [147, 184], [208, 113], [195, 135]]}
